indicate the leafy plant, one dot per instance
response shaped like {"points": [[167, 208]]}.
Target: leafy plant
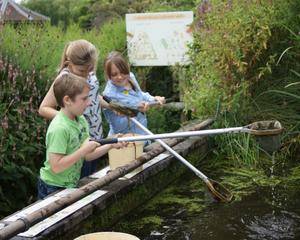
{"points": [[230, 52]]}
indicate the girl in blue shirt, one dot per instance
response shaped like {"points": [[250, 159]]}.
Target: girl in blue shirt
{"points": [[123, 87]]}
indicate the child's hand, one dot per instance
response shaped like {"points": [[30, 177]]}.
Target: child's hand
{"points": [[118, 113], [103, 103], [119, 144], [143, 107], [89, 146], [160, 99]]}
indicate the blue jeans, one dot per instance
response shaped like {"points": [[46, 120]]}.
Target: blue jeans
{"points": [[88, 168], [45, 189]]}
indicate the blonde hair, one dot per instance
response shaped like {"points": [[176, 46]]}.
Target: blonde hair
{"points": [[68, 84], [118, 60], [79, 52]]}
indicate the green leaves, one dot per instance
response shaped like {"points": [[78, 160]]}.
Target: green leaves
{"points": [[284, 93], [16, 187], [228, 53]]}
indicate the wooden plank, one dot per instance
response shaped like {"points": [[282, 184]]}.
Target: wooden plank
{"points": [[39, 205], [55, 218], [155, 160]]}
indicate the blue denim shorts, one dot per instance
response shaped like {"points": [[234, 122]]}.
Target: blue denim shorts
{"points": [[45, 189]]}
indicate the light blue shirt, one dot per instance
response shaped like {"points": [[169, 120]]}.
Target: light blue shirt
{"points": [[130, 98]]}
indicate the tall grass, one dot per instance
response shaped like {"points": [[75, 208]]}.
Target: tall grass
{"points": [[235, 149], [39, 48], [282, 98]]}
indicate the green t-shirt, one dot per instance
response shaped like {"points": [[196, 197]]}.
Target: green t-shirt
{"points": [[64, 136]]}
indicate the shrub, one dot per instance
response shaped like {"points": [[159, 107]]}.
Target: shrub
{"points": [[228, 53], [234, 58]]}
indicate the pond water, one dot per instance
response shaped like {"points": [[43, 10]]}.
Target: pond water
{"points": [[186, 211]]}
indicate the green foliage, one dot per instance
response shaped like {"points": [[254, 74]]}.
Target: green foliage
{"points": [[91, 13], [16, 179], [230, 40], [238, 150], [61, 12], [280, 98], [157, 80], [295, 174], [103, 11], [39, 48], [21, 136], [172, 5], [162, 121], [238, 55]]}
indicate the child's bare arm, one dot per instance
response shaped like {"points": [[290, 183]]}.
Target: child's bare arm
{"points": [[48, 106], [103, 103], [100, 151], [60, 162]]}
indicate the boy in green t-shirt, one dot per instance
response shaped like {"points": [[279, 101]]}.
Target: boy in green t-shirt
{"points": [[67, 139]]}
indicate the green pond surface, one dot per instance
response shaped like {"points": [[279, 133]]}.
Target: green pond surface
{"points": [[266, 206]]}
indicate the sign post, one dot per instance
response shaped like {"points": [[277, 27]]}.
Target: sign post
{"points": [[159, 39]]}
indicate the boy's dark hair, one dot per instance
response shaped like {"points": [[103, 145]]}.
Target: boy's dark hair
{"points": [[68, 84], [118, 60]]}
